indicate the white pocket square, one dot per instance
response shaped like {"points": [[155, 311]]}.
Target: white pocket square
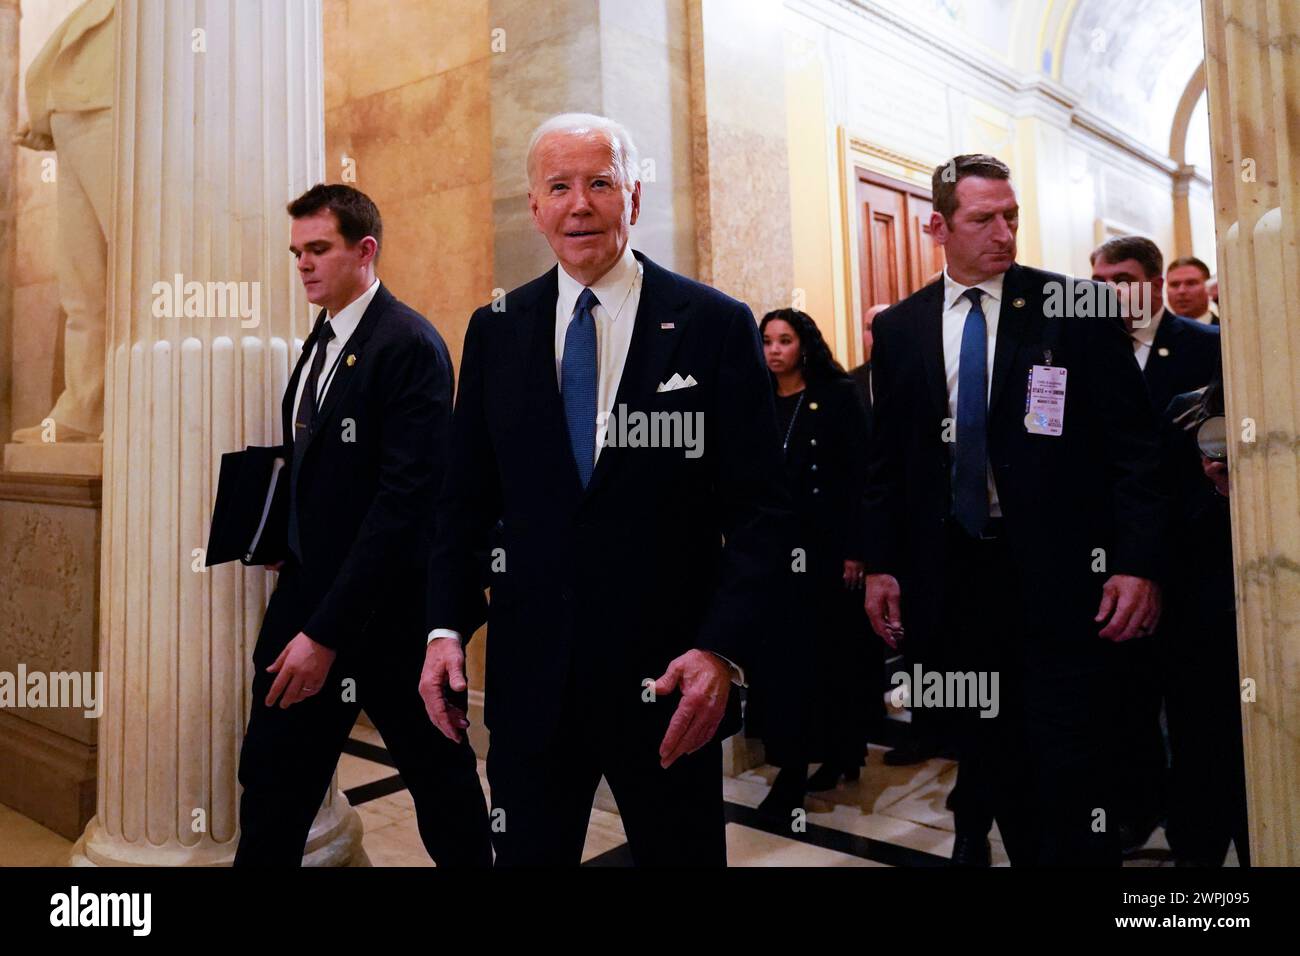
{"points": [[677, 382]]}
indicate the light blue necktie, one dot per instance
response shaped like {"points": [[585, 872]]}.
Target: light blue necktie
{"points": [[578, 370], [970, 503]]}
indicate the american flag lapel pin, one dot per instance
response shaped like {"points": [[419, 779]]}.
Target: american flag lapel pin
{"points": [[667, 325]]}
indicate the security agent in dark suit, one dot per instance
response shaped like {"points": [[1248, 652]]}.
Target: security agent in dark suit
{"points": [[927, 730], [1207, 785], [1176, 355], [366, 415], [1029, 545], [619, 617]]}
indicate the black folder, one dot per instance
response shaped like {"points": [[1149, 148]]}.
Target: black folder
{"points": [[250, 520]]}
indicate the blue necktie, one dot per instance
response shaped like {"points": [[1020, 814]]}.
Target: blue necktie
{"points": [[578, 384], [970, 503]]}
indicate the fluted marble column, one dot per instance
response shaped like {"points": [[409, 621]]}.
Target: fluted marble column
{"points": [[219, 125], [1253, 73]]}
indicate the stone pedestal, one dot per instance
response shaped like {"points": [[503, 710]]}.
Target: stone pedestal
{"points": [[85, 459], [49, 618], [1253, 85], [213, 139]]}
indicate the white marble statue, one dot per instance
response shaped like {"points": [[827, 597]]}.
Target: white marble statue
{"points": [[70, 105]]}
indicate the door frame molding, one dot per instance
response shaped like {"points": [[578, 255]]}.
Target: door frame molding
{"points": [[883, 167]]}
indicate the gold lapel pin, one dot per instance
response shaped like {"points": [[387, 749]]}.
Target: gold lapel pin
{"points": [[352, 360], [1162, 352], [812, 406], [1018, 303]]}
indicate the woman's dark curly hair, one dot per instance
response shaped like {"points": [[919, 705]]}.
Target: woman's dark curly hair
{"points": [[818, 363]]}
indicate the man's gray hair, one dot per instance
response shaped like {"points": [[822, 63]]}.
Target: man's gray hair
{"points": [[620, 140]]}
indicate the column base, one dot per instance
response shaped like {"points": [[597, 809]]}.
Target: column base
{"points": [[335, 840]]}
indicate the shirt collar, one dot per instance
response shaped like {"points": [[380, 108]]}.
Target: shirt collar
{"points": [[611, 289], [349, 317], [1147, 334], [954, 290]]}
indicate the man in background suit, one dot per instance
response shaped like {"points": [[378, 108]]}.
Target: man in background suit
{"points": [[1176, 355], [366, 416], [618, 617], [1188, 283], [862, 374], [1027, 546]]}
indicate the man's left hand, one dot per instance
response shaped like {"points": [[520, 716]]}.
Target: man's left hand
{"points": [[1132, 605], [300, 671], [705, 682]]}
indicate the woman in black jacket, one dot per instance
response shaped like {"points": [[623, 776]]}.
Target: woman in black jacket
{"points": [[815, 689]]}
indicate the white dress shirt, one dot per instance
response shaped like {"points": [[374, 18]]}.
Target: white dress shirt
{"points": [[1144, 338], [343, 324], [619, 294], [955, 309]]}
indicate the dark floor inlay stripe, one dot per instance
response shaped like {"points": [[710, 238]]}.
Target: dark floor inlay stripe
{"points": [[375, 789], [371, 752], [621, 855], [828, 838]]}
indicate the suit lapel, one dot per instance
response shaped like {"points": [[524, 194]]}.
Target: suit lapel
{"points": [[540, 393], [1012, 319], [349, 361], [660, 322], [931, 330], [1158, 366]]}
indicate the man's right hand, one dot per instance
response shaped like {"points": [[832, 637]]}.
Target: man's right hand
{"points": [[38, 141], [884, 607], [444, 667]]}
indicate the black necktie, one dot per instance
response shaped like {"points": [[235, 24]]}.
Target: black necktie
{"points": [[303, 424]]}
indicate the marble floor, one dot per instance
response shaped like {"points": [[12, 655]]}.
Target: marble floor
{"points": [[894, 816]]}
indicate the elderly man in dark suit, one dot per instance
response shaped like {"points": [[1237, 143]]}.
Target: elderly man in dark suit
{"points": [[366, 415], [1015, 514], [614, 427]]}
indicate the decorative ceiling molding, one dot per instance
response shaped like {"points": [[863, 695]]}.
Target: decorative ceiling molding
{"points": [[1023, 94]]}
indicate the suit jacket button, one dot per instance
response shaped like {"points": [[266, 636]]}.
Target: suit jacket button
{"points": [[817, 491], [813, 442], [814, 467]]}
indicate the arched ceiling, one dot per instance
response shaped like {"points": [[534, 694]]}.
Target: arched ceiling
{"points": [[1130, 60], [1127, 61]]}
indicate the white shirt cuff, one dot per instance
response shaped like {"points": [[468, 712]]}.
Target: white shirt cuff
{"points": [[438, 632], [737, 672]]}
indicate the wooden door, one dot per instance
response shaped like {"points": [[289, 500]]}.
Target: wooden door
{"points": [[925, 256], [898, 253], [883, 243]]}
